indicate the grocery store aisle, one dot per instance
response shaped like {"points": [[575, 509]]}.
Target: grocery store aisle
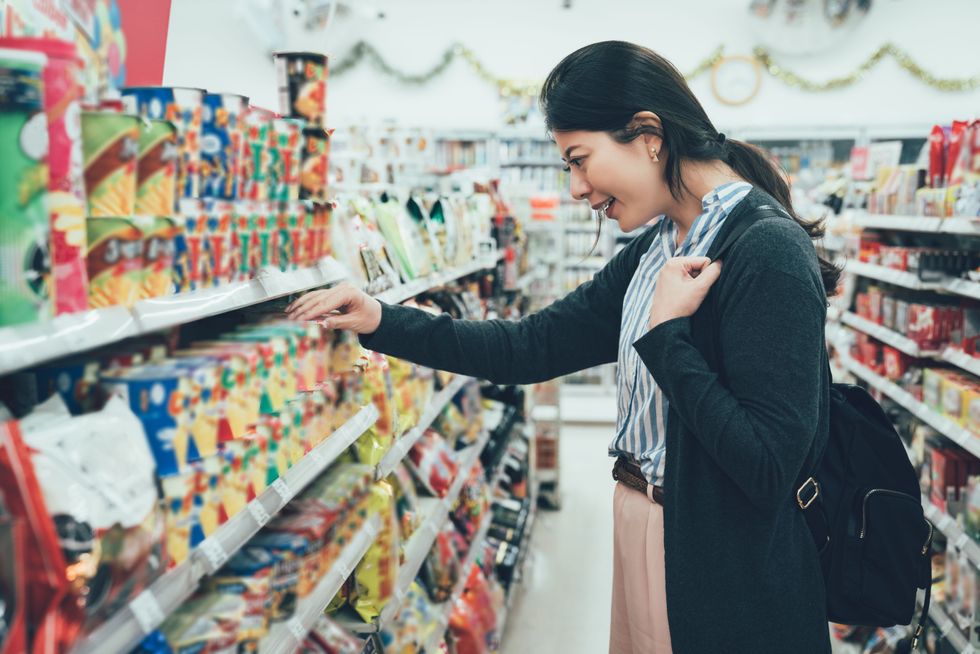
{"points": [[563, 606]]}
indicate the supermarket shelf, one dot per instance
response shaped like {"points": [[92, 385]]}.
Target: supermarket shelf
{"points": [[407, 291], [421, 542], [948, 629], [432, 644], [964, 226], [962, 287], [947, 525], [126, 629], [896, 277], [887, 336], [401, 448], [940, 423], [961, 359], [286, 637], [28, 345]]}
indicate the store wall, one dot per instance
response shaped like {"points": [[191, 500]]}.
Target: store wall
{"points": [[211, 46]]}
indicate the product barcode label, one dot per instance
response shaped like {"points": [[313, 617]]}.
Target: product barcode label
{"points": [[215, 552], [282, 489], [146, 609], [258, 512], [296, 629]]}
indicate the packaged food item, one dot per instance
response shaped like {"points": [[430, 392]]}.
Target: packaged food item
{"points": [[441, 570], [114, 261], [433, 463], [156, 168], [469, 634], [255, 154], [377, 573], [182, 106], [25, 230], [222, 132], [414, 624], [75, 380], [288, 550], [378, 389], [110, 146], [303, 86], [158, 235], [315, 528], [207, 623], [66, 189], [327, 638], [472, 504], [315, 164], [13, 540], [248, 574], [220, 217], [104, 509]]}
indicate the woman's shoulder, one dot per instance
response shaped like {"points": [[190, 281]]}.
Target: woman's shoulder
{"points": [[775, 243]]}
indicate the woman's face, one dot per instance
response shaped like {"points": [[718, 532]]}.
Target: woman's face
{"points": [[603, 170]]}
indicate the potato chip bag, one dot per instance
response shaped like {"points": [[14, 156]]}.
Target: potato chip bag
{"points": [[377, 573], [433, 463]]}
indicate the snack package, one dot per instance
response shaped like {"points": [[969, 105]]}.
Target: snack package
{"points": [[469, 635], [378, 389], [114, 261], [377, 573], [414, 625], [327, 638], [288, 551], [104, 509], [472, 504], [248, 575], [75, 380], [433, 463], [406, 502], [207, 623], [441, 569]]}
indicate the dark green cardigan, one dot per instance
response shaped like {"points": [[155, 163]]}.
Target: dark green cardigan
{"points": [[746, 377]]}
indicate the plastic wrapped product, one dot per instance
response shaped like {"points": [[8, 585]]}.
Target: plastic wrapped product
{"points": [[248, 575], [377, 573], [288, 550], [414, 625], [433, 463], [441, 570]]}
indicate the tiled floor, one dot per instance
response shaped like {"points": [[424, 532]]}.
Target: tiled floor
{"points": [[563, 605]]}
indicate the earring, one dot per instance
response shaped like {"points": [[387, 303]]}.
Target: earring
{"points": [[653, 155]]}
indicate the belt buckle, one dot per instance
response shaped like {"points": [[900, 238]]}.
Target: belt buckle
{"points": [[805, 504]]}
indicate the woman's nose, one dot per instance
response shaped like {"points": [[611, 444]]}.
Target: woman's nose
{"points": [[580, 187]]}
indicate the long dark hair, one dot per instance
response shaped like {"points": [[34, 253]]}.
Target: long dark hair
{"points": [[600, 88]]}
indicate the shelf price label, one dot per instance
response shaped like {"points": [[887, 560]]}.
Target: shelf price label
{"points": [[258, 512], [282, 489], [147, 611], [296, 628], [317, 456], [215, 552]]}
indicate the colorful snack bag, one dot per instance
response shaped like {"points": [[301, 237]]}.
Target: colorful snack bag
{"points": [[433, 463], [66, 188], [110, 146], [248, 574], [156, 168], [303, 86], [26, 226], [182, 106], [221, 144], [288, 550], [159, 234], [441, 570], [75, 380], [377, 573], [378, 389], [115, 262]]}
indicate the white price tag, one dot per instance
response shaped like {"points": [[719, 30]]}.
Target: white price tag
{"points": [[399, 596], [258, 512], [147, 611], [296, 629], [961, 541], [318, 457], [344, 569], [282, 488], [215, 552]]}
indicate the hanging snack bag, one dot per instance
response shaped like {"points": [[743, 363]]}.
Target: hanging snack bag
{"points": [[288, 550], [377, 573], [378, 390], [248, 574]]}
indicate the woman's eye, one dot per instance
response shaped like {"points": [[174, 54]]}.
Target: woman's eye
{"points": [[573, 162]]}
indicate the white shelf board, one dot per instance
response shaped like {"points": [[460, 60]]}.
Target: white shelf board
{"points": [[400, 449], [286, 637], [28, 345], [940, 423], [962, 360], [124, 630], [955, 225], [887, 336], [896, 277], [404, 292]]}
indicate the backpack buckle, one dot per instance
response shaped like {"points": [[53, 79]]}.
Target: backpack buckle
{"points": [[805, 503]]}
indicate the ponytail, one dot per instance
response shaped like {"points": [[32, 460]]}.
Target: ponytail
{"points": [[752, 164]]}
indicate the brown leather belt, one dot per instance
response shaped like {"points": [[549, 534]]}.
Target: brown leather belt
{"points": [[630, 475]]}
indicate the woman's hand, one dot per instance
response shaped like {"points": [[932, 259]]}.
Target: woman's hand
{"points": [[340, 307], [682, 286]]}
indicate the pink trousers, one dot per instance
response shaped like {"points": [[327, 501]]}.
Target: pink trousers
{"points": [[639, 601]]}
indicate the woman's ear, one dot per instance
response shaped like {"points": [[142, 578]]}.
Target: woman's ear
{"points": [[652, 128]]}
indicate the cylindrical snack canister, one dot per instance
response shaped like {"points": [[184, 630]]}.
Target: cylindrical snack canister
{"points": [[222, 128], [159, 234], [110, 145], [316, 160], [183, 107], [255, 154], [66, 186], [115, 261], [195, 244], [241, 241], [156, 169], [25, 226], [303, 86], [181, 266], [286, 156], [220, 215]]}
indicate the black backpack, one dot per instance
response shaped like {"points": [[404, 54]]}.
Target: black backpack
{"points": [[862, 503]]}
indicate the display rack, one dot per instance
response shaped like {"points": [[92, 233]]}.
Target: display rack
{"points": [[123, 631], [286, 637], [887, 336], [958, 226]]}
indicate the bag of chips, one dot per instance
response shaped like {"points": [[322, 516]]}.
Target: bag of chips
{"points": [[406, 503], [432, 462], [441, 570], [414, 624], [377, 573], [472, 504], [378, 389], [328, 638]]}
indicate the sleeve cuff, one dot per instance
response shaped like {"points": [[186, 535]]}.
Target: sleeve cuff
{"points": [[383, 335]]}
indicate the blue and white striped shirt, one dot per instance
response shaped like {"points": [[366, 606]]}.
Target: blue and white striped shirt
{"points": [[641, 427]]}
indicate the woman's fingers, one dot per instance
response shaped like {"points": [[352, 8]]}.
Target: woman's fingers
{"points": [[319, 303]]}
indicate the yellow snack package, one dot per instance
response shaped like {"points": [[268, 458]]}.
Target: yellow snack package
{"points": [[377, 573]]}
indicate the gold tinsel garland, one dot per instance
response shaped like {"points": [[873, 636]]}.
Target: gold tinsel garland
{"points": [[364, 50]]}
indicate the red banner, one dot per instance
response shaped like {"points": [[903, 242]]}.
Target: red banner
{"points": [[146, 25]]}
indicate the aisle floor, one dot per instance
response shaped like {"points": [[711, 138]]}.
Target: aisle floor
{"points": [[563, 605]]}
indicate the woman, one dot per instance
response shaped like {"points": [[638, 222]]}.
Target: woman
{"points": [[723, 384]]}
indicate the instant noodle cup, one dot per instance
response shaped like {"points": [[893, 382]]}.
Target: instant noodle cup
{"points": [[190, 253], [220, 217], [25, 226], [286, 153], [115, 262], [258, 136], [66, 186], [183, 107], [110, 146], [156, 168], [315, 164], [303, 86], [222, 132], [159, 236]]}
